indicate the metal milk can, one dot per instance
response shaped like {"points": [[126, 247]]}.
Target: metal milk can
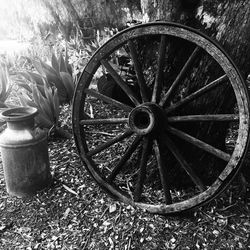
{"points": [[24, 152]]}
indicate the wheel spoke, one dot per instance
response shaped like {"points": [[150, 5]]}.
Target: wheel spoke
{"points": [[108, 99], [201, 118], [109, 143], [120, 82], [183, 163], [104, 121], [130, 150], [139, 72], [163, 172], [86, 116], [200, 144], [180, 75], [198, 93], [142, 170], [159, 74]]}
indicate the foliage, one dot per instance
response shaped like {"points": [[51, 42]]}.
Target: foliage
{"points": [[60, 16], [59, 74], [46, 100], [81, 51], [17, 55], [5, 85], [90, 48], [79, 54]]}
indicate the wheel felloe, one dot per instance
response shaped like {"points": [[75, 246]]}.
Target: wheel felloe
{"points": [[161, 131]]}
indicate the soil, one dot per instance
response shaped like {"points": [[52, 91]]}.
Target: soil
{"points": [[74, 213]]}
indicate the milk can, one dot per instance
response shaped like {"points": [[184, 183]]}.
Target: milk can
{"points": [[24, 152]]}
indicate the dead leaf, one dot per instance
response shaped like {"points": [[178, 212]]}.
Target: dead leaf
{"points": [[66, 213], [112, 208], [70, 190]]}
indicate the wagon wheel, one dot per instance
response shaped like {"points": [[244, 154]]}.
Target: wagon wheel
{"points": [[154, 151]]}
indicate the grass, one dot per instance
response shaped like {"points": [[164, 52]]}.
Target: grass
{"points": [[74, 213]]}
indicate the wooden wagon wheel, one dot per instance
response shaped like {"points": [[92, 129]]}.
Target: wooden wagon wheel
{"points": [[141, 151]]}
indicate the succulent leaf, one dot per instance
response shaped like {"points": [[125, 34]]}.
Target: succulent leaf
{"points": [[5, 86], [38, 66], [63, 67], [68, 84], [31, 76], [54, 63], [68, 66]]}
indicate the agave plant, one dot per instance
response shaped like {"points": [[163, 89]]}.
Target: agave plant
{"points": [[59, 75], [60, 64], [45, 99], [47, 104]]}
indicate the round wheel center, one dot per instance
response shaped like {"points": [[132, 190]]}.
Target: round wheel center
{"points": [[144, 119]]}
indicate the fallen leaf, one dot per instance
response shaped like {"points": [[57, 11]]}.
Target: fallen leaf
{"points": [[66, 213], [106, 223], [70, 190], [112, 208], [216, 232], [111, 243], [2, 228]]}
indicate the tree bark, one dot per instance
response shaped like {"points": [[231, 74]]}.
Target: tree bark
{"points": [[226, 21]]}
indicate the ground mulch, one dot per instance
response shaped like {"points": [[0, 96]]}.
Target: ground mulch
{"points": [[74, 213]]}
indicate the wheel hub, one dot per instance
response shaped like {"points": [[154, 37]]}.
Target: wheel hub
{"points": [[146, 118]]}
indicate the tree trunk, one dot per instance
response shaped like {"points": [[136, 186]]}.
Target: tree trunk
{"points": [[226, 21]]}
